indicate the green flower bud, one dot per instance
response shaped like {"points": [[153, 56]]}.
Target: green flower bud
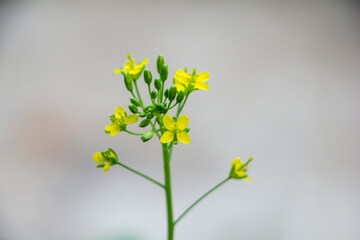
{"points": [[172, 93], [144, 123], [128, 82], [147, 76], [164, 72], [142, 114], [135, 101], [150, 116], [133, 109], [166, 93], [148, 108], [159, 63], [147, 136], [157, 83], [180, 96], [153, 94]]}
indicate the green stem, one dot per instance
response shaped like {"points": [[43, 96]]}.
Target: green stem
{"points": [[152, 100], [201, 198], [132, 133], [141, 174], [180, 109], [138, 93], [170, 218]]}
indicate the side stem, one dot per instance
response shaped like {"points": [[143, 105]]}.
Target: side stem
{"points": [[201, 198]]}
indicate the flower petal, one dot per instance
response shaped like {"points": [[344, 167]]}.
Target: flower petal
{"points": [[133, 118], [113, 129], [183, 121], [201, 77], [169, 122], [167, 137], [117, 71], [98, 157], [179, 86], [182, 77], [202, 85], [248, 179], [183, 137], [107, 167], [119, 113], [145, 61]]}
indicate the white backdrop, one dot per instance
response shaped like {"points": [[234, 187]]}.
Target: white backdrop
{"points": [[284, 88]]}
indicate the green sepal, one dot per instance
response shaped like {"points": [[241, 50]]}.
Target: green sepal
{"points": [[159, 63], [187, 130], [164, 72], [128, 81], [147, 76], [100, 165], [144, 123], [147, 136], [157, 83], [122, 127], [112, 118]]}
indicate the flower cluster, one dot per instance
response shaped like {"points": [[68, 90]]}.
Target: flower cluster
{"points": [[170, 129]]}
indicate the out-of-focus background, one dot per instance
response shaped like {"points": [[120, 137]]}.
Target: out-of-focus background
{"points": [[284, 88]]}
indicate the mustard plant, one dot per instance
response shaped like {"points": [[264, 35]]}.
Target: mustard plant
{"points": [[169, 128]]}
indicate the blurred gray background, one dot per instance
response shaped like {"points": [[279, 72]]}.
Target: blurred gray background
{"points": [[284, 88]]}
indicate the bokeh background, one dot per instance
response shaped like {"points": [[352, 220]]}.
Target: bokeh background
{"points": [[284, 88]]}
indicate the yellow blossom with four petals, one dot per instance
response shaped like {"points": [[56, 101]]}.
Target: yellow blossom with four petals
{"points": [[105, 162], [135, 70], [175, 129], [183, 80], [238, 169], [119, 121]]}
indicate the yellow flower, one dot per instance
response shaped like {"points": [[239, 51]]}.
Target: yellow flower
{"points": [[105, 159], [175, 129], [119, 121], [238, 169], [130, 67], [183, 80]]}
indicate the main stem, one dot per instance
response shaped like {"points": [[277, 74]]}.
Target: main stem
{"points": [[170, 217]]}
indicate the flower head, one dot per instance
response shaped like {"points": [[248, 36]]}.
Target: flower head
{"points": [[190, 82], [105, 159], [238, 169], [175, 129], [135, 70], [119, 121]]}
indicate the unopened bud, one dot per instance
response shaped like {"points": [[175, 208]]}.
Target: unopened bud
{"points": [[133, 109], [144, 123], [157, 83], [147, 76], [164, 72], [147, 136], [180, 96], [159, 63]]}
